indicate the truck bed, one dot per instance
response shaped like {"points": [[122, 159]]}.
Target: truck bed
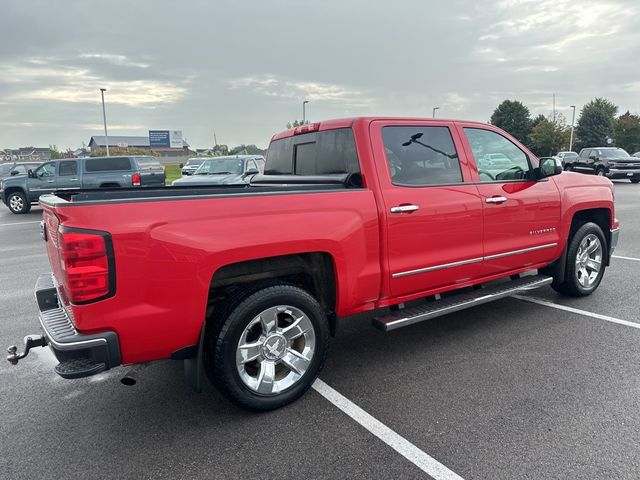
{"points": [[265, 185]]}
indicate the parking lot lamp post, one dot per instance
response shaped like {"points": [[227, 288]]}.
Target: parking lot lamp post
{"points": [[104, 118], [433, 113], [304, 111], [573, 119]]}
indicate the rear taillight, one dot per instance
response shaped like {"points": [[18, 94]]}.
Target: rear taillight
{"points": [[306, 128], [86, 258], [135, 179]]}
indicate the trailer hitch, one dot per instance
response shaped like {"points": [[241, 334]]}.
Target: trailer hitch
{"points": [[30, 341]]}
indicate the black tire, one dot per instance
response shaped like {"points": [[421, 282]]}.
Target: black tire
{"points": [[17, 203], [571, 286], [223, 339], [600, 172], [635, 180]]}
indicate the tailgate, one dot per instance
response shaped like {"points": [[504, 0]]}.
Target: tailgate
{"points": [[152, 176]]}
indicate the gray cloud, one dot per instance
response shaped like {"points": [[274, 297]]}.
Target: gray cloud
{"points": [[242, 69]]}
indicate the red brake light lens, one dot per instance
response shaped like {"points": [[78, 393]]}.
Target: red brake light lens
{"points": [[135, 178], [85, 263], [308, 127]]}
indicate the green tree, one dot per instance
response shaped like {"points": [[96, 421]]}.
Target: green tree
{"points": [[596, 123], [537, 120], [627, 132], [548, 138], [55, 153], [246, 150], [513, 117]]}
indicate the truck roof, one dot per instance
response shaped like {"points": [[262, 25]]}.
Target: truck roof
{"points": [[349, 122]]}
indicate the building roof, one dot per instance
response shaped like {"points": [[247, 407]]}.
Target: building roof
{"points": [[114, 140]]}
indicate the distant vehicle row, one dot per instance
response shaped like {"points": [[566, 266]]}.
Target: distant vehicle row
{"points": [[229, 170], [610, 162], [21, 190]]}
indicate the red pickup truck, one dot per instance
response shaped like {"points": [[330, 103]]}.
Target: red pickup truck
{"points": [[405, 218]]}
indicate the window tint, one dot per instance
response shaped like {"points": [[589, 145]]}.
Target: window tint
{"points": [[107, 164], [420, 156], [68, 168], [46, 170], [314, 153], [147, 162], [251, 165], [497, 158]]}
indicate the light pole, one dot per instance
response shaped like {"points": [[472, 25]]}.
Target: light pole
{"points": [[573, 119], [433, 113], [304, 111], [104, 118]]}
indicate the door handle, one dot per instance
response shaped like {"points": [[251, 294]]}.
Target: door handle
{"points": [[404, 208], [50, 181], [73, 179], [496, 199]]}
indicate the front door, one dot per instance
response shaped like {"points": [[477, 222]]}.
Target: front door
{"points": [[521, 215], [432, 216], [42, 181]]}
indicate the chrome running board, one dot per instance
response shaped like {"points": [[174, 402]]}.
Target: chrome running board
{"points": [[461, 301]]}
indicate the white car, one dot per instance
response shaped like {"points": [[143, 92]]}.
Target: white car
{"points": [[566, 157]]}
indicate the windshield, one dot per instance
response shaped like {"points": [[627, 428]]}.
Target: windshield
{"points": [[614, 153], [194, 162], [221, 167], [4, 169]]}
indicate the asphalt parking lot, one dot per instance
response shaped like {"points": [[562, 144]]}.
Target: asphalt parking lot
{"points": [[507, 390]]}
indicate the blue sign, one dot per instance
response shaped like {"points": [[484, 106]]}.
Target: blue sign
{"points": [[159, 138]]}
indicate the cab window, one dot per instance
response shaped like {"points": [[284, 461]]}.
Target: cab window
{"points": [[46, 170], [69, 167], [497, 158], [421, 156]]}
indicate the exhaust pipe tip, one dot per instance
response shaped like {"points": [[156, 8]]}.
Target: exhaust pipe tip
{"points": [[128, 381], [131, 377]]}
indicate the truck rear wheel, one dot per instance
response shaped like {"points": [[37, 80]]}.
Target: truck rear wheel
{"points": [[17, 203], [269, 346], [586, 257]]}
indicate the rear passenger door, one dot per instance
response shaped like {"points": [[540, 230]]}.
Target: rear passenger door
{"points": [[68, 178], [432, 214]]}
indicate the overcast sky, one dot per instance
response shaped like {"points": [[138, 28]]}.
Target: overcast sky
{"points": [[242, 68]]}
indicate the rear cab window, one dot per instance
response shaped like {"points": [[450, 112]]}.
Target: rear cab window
{"points": [[110, 164], [314, 153]]}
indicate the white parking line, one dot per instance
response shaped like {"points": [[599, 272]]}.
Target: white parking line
{"points": [[424, 462], [606, 318], [626, 258], [17, 223]]}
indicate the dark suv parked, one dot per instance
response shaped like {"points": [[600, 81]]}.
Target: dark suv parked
{"points": [[20, 191], [10, 169], [611, 162]]}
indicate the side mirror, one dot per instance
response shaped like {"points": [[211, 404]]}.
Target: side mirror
{"points": [[14, 172], [593, 157], [251, 171], [30, 174], [181, 165], [548, 168]]}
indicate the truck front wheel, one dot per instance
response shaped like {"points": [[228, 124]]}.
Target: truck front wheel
{"points": [[17, 203], [268, 347], [586, 257]]}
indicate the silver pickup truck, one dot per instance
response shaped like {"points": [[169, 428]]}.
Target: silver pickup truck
{"points": [[21, 191]]}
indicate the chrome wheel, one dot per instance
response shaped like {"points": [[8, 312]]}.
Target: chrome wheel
{"points": [[275, 349], [588, 260], [16, 203]]}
